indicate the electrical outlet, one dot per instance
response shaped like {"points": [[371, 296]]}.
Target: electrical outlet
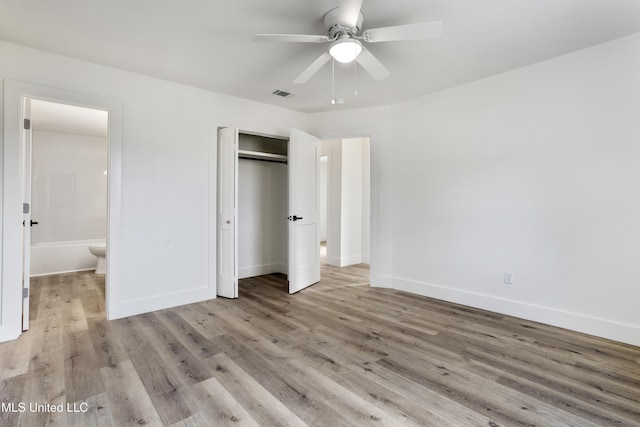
{"points": [[508, 277]]}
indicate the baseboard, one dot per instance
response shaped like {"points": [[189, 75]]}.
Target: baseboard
{"points": [[333, 261], [260, 270], [599, 327], [62, 272], [350, 260], [282, 268], [382, 281], [160, 302]]}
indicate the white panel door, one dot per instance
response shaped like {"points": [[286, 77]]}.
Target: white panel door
{"points": [[304, 210], [227, 285], [26, 210]]}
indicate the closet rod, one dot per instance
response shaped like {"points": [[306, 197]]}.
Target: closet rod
{"points": [[284, 162], [258, 155]]}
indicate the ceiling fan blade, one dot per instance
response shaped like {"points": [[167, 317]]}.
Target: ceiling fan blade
{"points": [[372, 66], [426, 30], [313, 68], [290, 38], [348, 12]]}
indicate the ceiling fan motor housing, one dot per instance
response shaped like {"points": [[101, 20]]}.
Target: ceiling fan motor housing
{"points": [[335, 28]]}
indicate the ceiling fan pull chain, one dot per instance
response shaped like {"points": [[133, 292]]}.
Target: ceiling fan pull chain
{"points": [[333, 81], [355, 77]]}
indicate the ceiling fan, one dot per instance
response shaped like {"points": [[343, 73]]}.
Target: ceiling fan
{"points": [[344, 25]]}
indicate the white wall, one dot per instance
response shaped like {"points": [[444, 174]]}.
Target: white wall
{"points": [[262, 213], [323, 197], [167, 238], [69, 187], [366, 201], [332, 150], [348, 225], [375, 123], [358, 163], [534, 171], [351, 202], [68, 200]]}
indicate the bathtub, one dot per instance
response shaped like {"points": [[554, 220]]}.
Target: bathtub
{"points": [[62, 257]]}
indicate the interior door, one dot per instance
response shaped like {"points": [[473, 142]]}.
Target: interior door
{"points": [[227, 285], [26, 210], [304, 210]]}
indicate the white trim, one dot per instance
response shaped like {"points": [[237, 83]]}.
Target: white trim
{"points": [[243, 127], [332, 260], [384, 281], [350, 260], [376, 278], [160, 302], [14, 92], [62, 272], [600, 327], [213, 205], [260, 270]]}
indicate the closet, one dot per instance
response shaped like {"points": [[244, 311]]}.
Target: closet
{"points": [[267, 216], [262, 205]]}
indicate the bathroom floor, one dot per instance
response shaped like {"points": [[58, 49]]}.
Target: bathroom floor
{"points": [[80, 294]]}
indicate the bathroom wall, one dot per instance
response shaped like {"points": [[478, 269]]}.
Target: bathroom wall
{"points": [[69, 187], [68, 200]]}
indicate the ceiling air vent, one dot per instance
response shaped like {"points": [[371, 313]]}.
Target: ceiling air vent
{"points": [[282, 93]]}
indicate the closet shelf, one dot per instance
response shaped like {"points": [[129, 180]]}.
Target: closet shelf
{"points": [[260, 155]]}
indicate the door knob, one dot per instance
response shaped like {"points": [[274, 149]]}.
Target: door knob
{"points": [[34, 223], [294, 218]]}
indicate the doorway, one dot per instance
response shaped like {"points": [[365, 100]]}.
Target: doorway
{"points": [[324, 194], [65, 186], [345, 190], [302, 172], [14, 296]]}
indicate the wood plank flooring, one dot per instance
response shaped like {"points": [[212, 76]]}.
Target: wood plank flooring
{"points": [[337, 354]]}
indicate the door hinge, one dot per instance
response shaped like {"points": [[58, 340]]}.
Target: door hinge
{"points": [[27, 124], [25, 293], [25, 208]]}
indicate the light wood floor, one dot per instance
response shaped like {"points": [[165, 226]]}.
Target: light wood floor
{"points": [[337, 354]]}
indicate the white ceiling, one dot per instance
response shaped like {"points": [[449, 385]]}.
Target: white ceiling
{"points": [[208, 43], [63, 118]]}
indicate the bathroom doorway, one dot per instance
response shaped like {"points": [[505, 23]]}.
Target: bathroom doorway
{"points": [[15, 279], [65, 202]]}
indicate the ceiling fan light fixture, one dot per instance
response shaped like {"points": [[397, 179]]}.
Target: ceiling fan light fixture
{"points": [[345, 50]]}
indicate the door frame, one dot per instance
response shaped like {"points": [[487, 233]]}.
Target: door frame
{"points": [[216, 125], [11, 207], [376, 277], [26, 176], [333, 204]]}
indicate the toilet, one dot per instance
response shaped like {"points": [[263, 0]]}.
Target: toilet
{"points": [[100, 251]]}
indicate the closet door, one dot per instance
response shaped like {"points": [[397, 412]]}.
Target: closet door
{"points": [[304, 210], [227, 285]]}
